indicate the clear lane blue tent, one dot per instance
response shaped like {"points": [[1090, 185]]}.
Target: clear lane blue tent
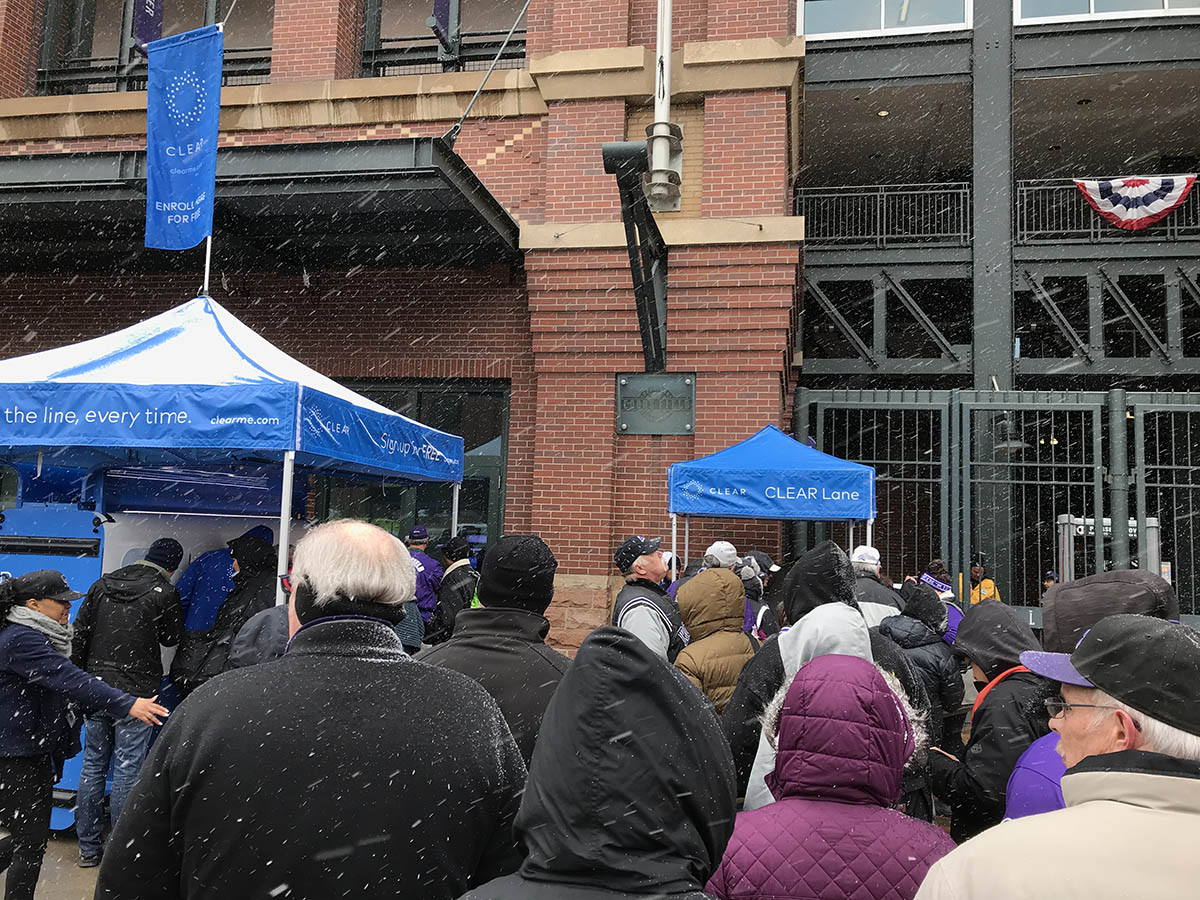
{"points": [[195, 386], [772, 476]]}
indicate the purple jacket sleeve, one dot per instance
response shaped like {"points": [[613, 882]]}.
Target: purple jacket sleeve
{"points": [[429, 579], [33, 659]]}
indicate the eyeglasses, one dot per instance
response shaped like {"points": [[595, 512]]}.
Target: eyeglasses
{"points": [[1057, 705], [286, 581]]}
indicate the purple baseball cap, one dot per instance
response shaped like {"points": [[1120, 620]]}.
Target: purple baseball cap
{"points": [[1055, 666]]}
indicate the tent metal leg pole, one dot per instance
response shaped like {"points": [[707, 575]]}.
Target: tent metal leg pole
{"points": [[207, 260], [454, 508], [687, 539], [285, 520], [674, 545], [850, 546], [870, 532]]}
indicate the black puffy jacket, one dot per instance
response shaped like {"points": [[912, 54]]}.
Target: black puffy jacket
{"points": [[933, 661], [453, 596], [631, 790], [119, 627], [1004, 723]]}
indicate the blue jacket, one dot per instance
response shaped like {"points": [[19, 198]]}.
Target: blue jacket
{"points": [[36, 683], [429, 579], [1035, 785], [204, 587]]}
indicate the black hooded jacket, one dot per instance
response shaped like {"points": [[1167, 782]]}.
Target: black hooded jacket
{"points": [[918, 631], [823, 575], [631, 789], [1003, 725], [205, 653], [119, 627]]}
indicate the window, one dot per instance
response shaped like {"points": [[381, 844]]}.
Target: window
{"points": [[1033, 11], [397, 39], [861, 18], [476, 410]]}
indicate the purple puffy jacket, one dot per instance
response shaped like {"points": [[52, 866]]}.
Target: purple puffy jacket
{"points": [[829, 835]]}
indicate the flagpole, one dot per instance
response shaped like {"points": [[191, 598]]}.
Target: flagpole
{"points": [[207, 264]]}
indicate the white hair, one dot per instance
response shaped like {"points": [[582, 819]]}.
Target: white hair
{"points": [[355, 559], [869, 568], [1156, 736]]}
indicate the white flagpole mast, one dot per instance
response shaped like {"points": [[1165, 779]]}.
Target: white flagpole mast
{"points": [[207, 264]]}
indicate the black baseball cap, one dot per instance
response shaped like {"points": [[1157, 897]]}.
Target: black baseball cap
{"points": [[44, 584], [1148, 664], [632, 548]]}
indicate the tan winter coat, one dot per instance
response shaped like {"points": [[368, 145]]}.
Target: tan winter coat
{"points": [[1130, 830], [713, 607]]}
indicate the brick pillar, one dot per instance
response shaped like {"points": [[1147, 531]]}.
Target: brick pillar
{"points": [[746, 154], [730, 20], [20, 36], [729, 320], [316, 40]]}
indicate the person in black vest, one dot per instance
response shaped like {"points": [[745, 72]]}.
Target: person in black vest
{"points": [[643, 607], [502, 645]]}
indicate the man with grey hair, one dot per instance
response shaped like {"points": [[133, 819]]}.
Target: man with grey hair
{"points": [[1128, 721], [877, 599], [342, 769]]}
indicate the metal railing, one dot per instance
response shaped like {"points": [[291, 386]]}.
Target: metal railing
{"points": [[420, 55], [250, 65], [886, 215], [1055, 212]]}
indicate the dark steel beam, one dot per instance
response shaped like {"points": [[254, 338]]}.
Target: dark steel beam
{"points": [[1126, 250], [1139, 322], [834, 256], [840, 322], [1191, 288], [897, 367], [1109, 367], [1086, 48], [992, 186], [891, 59], [1061, 322], [914, 309]]}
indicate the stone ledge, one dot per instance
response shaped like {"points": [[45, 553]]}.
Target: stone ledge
{"points": [[676, 233]]}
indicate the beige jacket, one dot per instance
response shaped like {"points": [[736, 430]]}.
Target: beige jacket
{"points": [[1131, 830]]}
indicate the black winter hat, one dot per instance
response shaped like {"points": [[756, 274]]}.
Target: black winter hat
{"points": [[456, 548], [1071, 608], [922, 603], [165, 552], [518, 572], [253, 554]]}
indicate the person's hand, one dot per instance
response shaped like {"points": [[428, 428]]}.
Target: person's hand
{"points": [[912, 578], [944, 753], [146, 709]]}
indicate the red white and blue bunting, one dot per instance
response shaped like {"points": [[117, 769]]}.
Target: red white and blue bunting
{"points": [[1136, 203]]}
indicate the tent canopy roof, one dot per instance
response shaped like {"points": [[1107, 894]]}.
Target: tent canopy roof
{"points": [[770, 475], [194, 385]]}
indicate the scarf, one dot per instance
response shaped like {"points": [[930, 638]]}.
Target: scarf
{"points": [[59, 636]]}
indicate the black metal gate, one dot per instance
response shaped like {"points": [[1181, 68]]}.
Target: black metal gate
{"points": [[968, 474]]}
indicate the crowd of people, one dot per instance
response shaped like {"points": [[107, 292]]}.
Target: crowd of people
{"points": [[741, 729]]}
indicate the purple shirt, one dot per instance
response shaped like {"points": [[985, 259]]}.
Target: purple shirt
{"points": [[1035, 785], [429, 579]]}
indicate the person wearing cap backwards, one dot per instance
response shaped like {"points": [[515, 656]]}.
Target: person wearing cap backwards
{"points": [[643, 607], [502, 645], [1068, 611], [126, 616], [1128, 721], [876, 599], [37, 731], [429, 573]]}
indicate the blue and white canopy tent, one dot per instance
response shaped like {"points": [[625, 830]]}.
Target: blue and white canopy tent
{"points": [[770, 476], [194, 386]]}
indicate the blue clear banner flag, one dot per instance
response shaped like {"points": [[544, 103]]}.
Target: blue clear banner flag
{"points": [[183, 106]]}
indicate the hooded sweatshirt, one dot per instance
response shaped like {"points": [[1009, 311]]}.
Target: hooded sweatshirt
{"points": [[843, 740], [831, 628], [822, 576], [1007, 719], [206, 583], [711, 607], [631, 789], [126, 615]]}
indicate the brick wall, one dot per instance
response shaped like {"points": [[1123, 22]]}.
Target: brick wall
{"points": [[20, 37], [746, 154], [578, 190], [439, 323]]}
